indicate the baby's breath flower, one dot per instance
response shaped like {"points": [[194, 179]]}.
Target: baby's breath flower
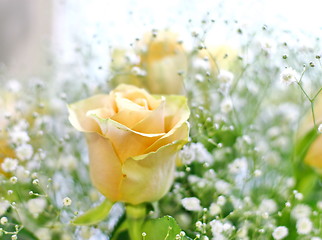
{"points": [[13, 179], [9, 164], [239, 165], [268, 205], [3, 220], [226, 106], [18, 137], [280, 232], [214, 209], [4, 205], [301, 211], [36, 206], [320, 128], [221, 200], [67, 201], [24, 152], [304, 226], [191, 204], [225, 77], [289, 76]]}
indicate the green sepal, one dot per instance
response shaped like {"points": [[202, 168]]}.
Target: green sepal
{"points": [[94, 215]]}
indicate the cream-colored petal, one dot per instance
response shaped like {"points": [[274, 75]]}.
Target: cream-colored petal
{"points": [[149, 177], [105, 167], [131, 92], [180, 133], [154, 122], [78, 111], [314, 154], [176, 112], [126, 142]]}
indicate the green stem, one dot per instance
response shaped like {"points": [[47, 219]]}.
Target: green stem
{"points": [[135, 216]]}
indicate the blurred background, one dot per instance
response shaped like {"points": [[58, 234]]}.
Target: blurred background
{"points": [[39, 38]]}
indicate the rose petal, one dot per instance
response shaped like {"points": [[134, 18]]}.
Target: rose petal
{"points": [[176, 127], [154, 122], [149, 177], [78, 111], [105, 167], [126, 142], [132, 93], [180, 133]]}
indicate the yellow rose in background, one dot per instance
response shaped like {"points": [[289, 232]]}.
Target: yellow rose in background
{"points": [[133, 140], [221, 57], [155, 65], [313, 156]]}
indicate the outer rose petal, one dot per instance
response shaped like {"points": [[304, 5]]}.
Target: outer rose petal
{"points": [[314, 154], [105, 167], [149, 177], [126, 142], [78, 111]]}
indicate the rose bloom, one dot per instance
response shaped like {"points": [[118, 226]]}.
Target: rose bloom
{"points": [[133, 140], [154, 65]]}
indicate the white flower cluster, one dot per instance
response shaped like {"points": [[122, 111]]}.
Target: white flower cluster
{"points": [[196, 152]]}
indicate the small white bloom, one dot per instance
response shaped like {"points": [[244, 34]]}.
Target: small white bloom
{"points": [[280, 232], [191, 204], [319, 205], [36, 206], [239, 165], [223, 187], [304, 226], [200, 63], [316, 238], [133, 58], [138, 71], [14, 180], [301, 211], [4, 205], [9, 164], [43, 234], [199, 77], [19, 137], [216, 227], [24, 152], [226, 106], [298, 196], [320, 128], [225, 77], [268, 205], [289, 76], [22, 174], [3, 220], [13, 85], [258, 173], [67, 201], [221, 200], [214, 209]]}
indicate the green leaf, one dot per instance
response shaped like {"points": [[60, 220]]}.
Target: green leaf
{"points": [[165, 228], [94, 215]]}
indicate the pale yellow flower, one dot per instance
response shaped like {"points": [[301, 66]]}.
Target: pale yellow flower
{"points": [[133, 140], [155, 65]]}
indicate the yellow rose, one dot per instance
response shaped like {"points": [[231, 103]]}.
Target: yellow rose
{"points": [[220, 57], [313, 156], [159, 59], [133, 140]]}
